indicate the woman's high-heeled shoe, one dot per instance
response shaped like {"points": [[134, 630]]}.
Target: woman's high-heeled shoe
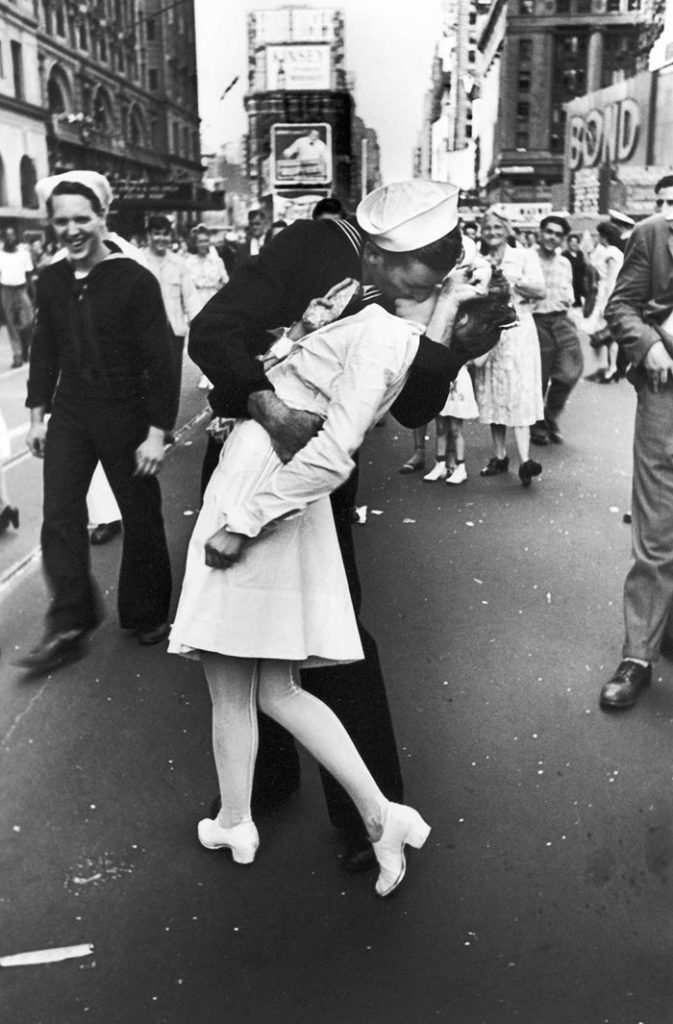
{"points": [[242, 839], [9, 514], [402, 825]]}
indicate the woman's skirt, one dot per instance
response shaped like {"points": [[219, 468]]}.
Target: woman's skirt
{"points": [[287, 598]]}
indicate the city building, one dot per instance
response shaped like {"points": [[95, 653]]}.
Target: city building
{"points": [[536, 57], [23, 141], [300, 105], [119, 96]]}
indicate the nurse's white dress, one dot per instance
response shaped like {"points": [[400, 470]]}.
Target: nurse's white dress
{"points": [[287, 598]]}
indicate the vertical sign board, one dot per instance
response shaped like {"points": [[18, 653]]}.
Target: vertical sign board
{"points": [[301, 154]]}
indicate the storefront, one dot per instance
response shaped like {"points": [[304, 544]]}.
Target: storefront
{"points": [[618, 145]]}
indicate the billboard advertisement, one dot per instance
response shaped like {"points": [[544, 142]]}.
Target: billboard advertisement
{"points": [[295, 66], [301, 154]]}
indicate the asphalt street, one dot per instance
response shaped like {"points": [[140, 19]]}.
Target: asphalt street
{"points": [[543, 895]]}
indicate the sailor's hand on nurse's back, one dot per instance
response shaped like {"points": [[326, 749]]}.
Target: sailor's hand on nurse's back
{"points": [[289, 429], [224, 549]]}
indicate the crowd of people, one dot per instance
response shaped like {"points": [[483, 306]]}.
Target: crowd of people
{"points": [[308, 338]]}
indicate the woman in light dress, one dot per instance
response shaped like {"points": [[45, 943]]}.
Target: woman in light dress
{"points": [[607, 258], [206, 268], [508, 384], [265, 592]]}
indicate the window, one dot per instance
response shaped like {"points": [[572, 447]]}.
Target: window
{"points": [[153, 79], [151, 30], [526, 6], [176, 138], [563, 6], [82, 36], [102, 48], [28, 177], [583, 7], [60, 20], [613, 6], [524, 81], [525, 51], [522, 139], [17, 68], [634, 5], [523, 110]]}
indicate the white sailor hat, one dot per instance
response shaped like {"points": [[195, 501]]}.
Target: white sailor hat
{"points": [[407, 215], [98, 184], [622, 219]]}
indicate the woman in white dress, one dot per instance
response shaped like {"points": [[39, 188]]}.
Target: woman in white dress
{"points": [[205, 267], [508, 385], [607, 258], [271, 594]]}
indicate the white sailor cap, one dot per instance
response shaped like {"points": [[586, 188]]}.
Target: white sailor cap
{"points": [[94, 181], [622, 219], [407, 215]]}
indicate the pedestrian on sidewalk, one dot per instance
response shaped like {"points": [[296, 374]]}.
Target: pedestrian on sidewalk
{"points": [[639, 315], [403, 243], [560, 346], [100, 365], [265, 591], [16, 271], [508, 383], [178, 292]]}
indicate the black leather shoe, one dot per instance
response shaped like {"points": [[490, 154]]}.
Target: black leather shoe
{"points": [[9, 514], [155, 635], [104, 532], [495, 466], [623, 689], [55, 649], [358, 856], [527, 470]]}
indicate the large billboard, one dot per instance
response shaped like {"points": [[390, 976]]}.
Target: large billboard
{"points": [[293, 24], [301, 154], [298, 66]]}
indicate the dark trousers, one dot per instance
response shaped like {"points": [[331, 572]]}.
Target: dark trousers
{"points": [[562, 362], [81, 433], [355, 692], [177, 347]]}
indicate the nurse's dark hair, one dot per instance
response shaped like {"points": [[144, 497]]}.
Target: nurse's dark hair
{"points": [[75, 188], [440, 256]]}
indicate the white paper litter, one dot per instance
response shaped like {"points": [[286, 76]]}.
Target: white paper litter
{"points": [[46, 956]]}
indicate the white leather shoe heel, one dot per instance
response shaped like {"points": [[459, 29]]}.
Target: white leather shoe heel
{"points": [[402, 826], [438, 472], [242, 839]]}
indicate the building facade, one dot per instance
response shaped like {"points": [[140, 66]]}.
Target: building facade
{"points": [[536, 57], [23, 141], [297, 77], [118, 83]]}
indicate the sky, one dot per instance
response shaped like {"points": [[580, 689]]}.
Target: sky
{"points": [[389, 50]]}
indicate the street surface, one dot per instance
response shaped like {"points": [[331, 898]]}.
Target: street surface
{"points": [[543, 895]]}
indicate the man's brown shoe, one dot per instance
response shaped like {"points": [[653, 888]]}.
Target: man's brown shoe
{"points": [[623, 689]]}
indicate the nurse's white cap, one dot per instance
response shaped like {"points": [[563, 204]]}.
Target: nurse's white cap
{"points": [[98, 184], [407, 215]]}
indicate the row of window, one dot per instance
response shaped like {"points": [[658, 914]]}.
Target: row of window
{"points": [[564, 7], [28, 180]]}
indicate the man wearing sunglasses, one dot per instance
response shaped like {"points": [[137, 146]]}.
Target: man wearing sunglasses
{"points": [[560, 347]]}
